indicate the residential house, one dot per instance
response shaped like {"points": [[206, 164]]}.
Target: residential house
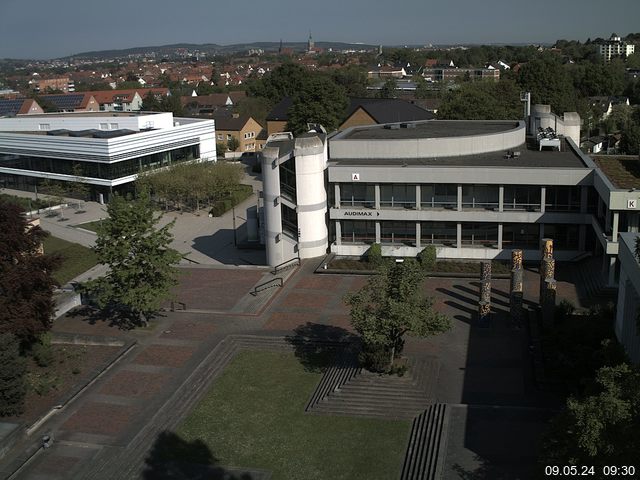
{"points": [[209, 104], [72, 102], [19, 106], [241, 127]]}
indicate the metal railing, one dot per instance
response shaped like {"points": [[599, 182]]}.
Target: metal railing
{"points": [[274, 282], [284, 265]]}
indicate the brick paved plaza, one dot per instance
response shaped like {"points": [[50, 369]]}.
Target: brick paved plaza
{"points": [[477, 366]]}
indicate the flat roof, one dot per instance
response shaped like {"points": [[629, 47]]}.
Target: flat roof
{"points": [[428, 129], [88, 114], [622, 170], [528, 158]]}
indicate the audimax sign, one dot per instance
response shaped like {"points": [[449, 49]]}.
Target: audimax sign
{"points": [[359, 213]]}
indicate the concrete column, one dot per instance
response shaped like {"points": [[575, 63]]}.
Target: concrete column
{"points": [[543, 199], [499, 236], [338, 232], [501, 198], [459, 235], [616, 221], [377, 196], [378, 232], [584, 195], [418, 235], [582, 237], [336, 190], [418, 198], [272, 211], [612, 271], [459, 198]]}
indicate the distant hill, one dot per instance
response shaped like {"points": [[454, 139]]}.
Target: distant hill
{"points": [[213, 49]]}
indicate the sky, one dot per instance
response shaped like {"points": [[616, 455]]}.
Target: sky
{"points": [[44, 29]]}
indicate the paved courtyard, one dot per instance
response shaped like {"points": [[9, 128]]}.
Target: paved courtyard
{"points": [[484, 373]]}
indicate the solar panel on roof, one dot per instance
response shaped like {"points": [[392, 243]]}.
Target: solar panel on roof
{"points": [[10, 107]]}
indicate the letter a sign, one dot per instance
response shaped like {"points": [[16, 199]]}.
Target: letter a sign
{"points": [[355, 177]]}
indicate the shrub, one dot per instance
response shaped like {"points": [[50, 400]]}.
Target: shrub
{"points": [[564, 310], [374, 255], [427, 258], [41, 351], [12, 376], [375, 357]]}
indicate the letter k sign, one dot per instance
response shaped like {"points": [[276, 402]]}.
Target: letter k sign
{"points": [[632, 203]]}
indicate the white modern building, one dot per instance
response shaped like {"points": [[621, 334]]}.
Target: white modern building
{"points": [[474, 189], [110, 148], [615, 47]]}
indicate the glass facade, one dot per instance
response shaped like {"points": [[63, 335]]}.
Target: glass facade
{"points": [[562, 199], [442, 195], [357, 195], [565, 237], [522, 198], [394, 232], [399, 195], [480, 235], [358, 232], [289, 221], [480, 197], [520, 235], [108, 171], [288, 180], [438, 233]]}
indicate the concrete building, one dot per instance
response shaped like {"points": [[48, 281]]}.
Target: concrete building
{"points": [[474, 189], [111, 149], [615, 47], [626, 326]]}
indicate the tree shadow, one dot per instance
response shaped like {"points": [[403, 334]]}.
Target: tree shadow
{"points": [[172, 458], [485, 471], [317, 346], [111, 315]]}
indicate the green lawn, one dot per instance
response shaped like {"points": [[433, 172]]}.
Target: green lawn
{"points": [[76, 259], [92, 226], [253, 417]]}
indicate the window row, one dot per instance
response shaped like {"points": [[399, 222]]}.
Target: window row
{"points": [[109, 171], [563, 198], [446, 233]]}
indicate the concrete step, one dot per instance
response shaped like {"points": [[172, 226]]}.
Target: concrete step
{"points": [[426, 446]]}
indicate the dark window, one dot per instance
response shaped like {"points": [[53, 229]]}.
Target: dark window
{"points": [[357, 195], [354, 231], [439, 233], [480, 196], [398, 232], [289, 221], [480, 234], [398, 195], [522, 198], [288, 179], [520, 235]]}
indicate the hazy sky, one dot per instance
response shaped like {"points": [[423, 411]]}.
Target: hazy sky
{"points": [[46, 29]]}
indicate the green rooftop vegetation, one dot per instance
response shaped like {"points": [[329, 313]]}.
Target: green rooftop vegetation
{"points": [[622, 171]]}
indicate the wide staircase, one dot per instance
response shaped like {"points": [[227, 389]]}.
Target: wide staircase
{"points": [[346, 389], [427, 444], [591, 282]]}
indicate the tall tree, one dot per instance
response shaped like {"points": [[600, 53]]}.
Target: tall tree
{"points": [[549, 83], [318, 101], [26, 285], [12, 376], [284, 81], [388, 89], [392, 305], [601, 428], [482, 101], [141, 263]]}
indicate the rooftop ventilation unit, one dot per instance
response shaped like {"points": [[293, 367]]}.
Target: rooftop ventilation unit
{"points": [[407, 125]]}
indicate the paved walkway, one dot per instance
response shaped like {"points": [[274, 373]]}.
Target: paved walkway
{"points": [[205, 240], [116, 421]]}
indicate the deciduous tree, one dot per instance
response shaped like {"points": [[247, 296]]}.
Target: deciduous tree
{"points": [[12, 376], [26, 285], [392, 305], [318, 101], [141, 263]]}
